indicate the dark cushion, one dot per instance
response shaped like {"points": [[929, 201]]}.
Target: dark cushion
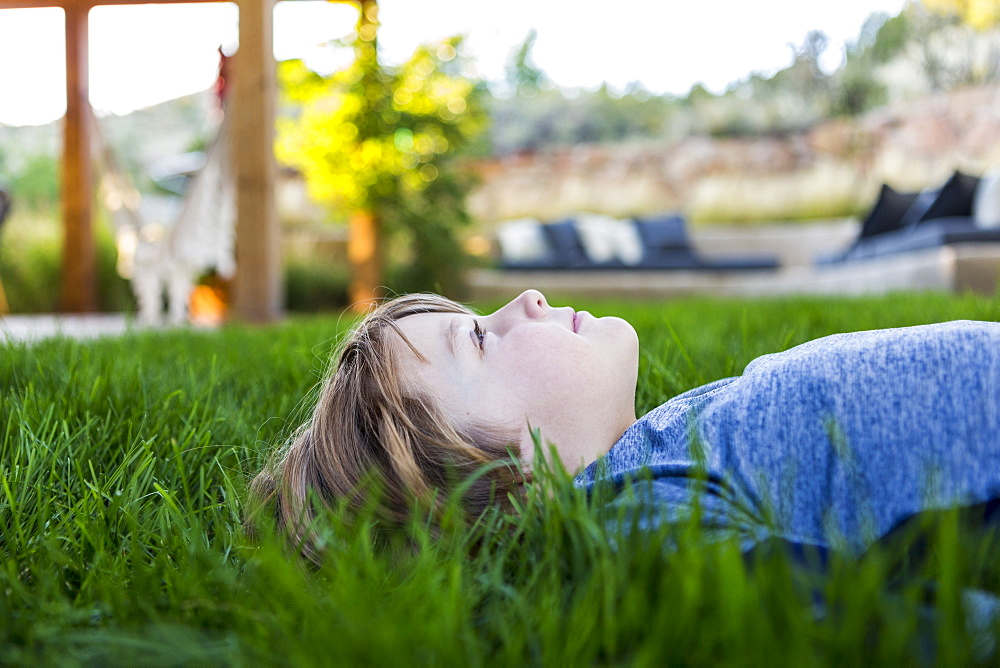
{"points": [[662, 232], [916, 211], [954, 199], [887, 212], [665, 245], [564, 241]]}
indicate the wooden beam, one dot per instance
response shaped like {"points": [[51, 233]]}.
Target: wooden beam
{"points": [[88, 4], [257, 288], [34, 4], [78, 290]]}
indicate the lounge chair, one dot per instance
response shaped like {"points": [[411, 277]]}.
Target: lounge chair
{"points": [[960, 211]]}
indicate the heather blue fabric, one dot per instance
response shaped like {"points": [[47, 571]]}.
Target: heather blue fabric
{"points": [[829, 443]]}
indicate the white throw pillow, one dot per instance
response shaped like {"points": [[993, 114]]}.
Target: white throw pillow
{"points": [[605, 239], [986, 205], [521, 241]]}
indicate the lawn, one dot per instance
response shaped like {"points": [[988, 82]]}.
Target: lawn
{"points": [[123, 467]]}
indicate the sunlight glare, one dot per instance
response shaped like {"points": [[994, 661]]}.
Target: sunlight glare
{"points": [[145, 54], [32, 66], [151, 53]]}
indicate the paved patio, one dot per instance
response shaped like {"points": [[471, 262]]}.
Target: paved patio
{"points": [[30, 328], [954, 268]]}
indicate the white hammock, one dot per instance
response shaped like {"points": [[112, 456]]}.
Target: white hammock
{"points": [[169, 257]]}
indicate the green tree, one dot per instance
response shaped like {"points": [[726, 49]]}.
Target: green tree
{"points": [[944, 33], [383, 142], [804, 75], [890, 37], [856, 87], [980, 14], [523, 76]]}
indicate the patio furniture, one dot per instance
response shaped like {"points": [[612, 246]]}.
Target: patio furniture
{"points": [[595, 242], [963, 210], [666, 246]]}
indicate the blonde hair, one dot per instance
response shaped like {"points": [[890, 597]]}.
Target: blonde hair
{"points": [[371, 433]]}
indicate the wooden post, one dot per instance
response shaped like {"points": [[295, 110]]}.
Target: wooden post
{"points": [[257, 288], [78, 290], [365, 258], [363, 233]]}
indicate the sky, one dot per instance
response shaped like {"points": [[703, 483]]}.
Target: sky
{"points": [[145, 54]]}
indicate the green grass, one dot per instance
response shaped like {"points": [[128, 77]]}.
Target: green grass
{"points": [[123, 466]]}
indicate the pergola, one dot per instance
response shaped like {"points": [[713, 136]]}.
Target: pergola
{"points": [[257, 293]]}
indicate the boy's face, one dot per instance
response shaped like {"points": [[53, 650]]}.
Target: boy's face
{"points": [[565, 372]]}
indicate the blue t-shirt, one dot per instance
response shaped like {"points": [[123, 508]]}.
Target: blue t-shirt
{"points": [[832, 442]]}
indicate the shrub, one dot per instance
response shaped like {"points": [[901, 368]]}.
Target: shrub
{"points": [[313, 286], [36, 183], [31, 256]]}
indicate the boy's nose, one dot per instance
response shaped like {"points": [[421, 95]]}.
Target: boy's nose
{"points": [[530, 305], [533, 302]]}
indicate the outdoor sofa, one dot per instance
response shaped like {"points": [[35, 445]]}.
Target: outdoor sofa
{"points": [[596, 242], [965, 209]]}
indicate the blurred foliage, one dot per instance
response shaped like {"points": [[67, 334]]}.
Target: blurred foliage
{"points": [[35, 185], [980, 14], [528, 114], [944, 44], [30, 258], [523, 76], [936, 44], [881, 39], [386, 140], [30, 248], [312, 286], [557, 117]]}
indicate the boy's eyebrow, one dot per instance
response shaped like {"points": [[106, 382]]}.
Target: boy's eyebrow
{"points": [[451, 336]]}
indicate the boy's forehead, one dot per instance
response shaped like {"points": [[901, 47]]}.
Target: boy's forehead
{"points": [[424, 332], [425, 362]]}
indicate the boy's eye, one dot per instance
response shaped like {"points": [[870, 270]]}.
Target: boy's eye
{"points": [[480, 334]]}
